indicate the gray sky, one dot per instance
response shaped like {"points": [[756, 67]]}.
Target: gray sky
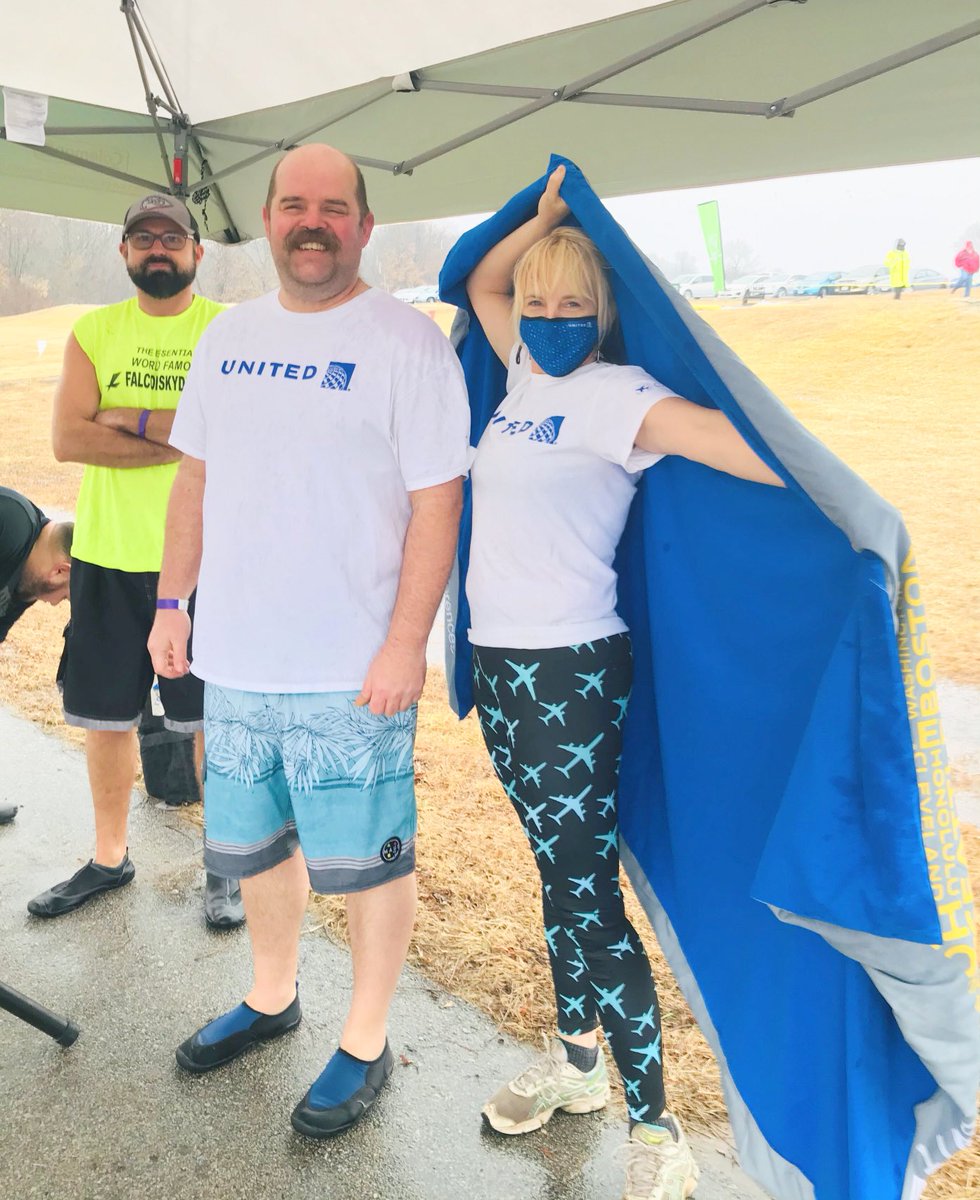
{"points": [[819, 222]]}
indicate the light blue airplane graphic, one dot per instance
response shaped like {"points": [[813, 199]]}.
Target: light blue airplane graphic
{"points": [[573, 1004], [592, 682], [491, 683], [637, 1114], [494, 716], [584, 884], [554, 710], [587, 645], [642, 1021], [547, 890], [611, 1000], [608, 803], [511, 790], [544, 847], [649, 1053], [504, 762], [533, 815], [580, 754], [524, 677], [611, 842], [632, 1088], [570, 804], [589, 918], [532, 773], [577, 968], [618, 949], [511, 726], [549, 937], [623, 703]]}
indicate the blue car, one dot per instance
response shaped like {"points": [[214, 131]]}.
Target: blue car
{"points": [[821, 283]]}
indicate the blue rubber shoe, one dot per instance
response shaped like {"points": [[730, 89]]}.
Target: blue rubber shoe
{"points": [[228, 1036], [344, 1091]]}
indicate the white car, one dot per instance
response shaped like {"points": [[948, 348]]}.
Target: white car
{"points": [[428, 293], [694, 287], [782, 285], [747, 287]]}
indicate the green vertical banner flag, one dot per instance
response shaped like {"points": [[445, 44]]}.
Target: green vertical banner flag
{"points": [[711, 228]]}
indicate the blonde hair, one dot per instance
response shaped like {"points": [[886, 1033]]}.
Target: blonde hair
{"points": [[568, 255]]}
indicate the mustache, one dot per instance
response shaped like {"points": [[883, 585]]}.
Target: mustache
{"points": [[323, 237], [159, 258]]}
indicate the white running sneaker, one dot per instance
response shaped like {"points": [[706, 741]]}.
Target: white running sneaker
{"points": [[660, 1166], [550, 1082]]}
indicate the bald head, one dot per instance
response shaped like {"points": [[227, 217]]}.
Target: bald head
{"points": [[320, 156]]}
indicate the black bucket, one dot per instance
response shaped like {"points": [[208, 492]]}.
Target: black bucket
{"points": [[168, 761]]}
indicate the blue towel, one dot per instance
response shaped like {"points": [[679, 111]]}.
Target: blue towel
{"points": [[784, 803]]}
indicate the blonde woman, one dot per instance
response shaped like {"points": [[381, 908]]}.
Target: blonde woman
{"points": [[553, 478]]}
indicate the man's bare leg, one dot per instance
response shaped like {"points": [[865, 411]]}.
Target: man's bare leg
{"points": [[275, 902], [111, 759], [380, 921]]}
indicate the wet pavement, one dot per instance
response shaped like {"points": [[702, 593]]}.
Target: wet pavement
{"points": [[112, 1118]]}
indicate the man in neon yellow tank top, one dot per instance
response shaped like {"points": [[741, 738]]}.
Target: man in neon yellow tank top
{"points": [[124, 370]]}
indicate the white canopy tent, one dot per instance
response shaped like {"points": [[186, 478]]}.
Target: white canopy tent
{"points": [[450, 108]]}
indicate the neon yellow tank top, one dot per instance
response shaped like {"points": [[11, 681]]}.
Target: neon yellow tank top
{"points": [[141, 362]]}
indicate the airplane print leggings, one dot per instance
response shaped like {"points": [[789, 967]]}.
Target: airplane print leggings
{"points": [[552, 721]]}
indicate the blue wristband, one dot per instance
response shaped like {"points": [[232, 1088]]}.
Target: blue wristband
{"points": [[141, 427], [182, 605]]}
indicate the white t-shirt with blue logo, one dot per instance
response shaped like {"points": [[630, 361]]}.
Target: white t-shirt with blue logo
{"points": [[553, 478], [314, 428]]}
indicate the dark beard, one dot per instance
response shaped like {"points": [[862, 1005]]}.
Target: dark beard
{"points": [[161, 285], [33, 588]]}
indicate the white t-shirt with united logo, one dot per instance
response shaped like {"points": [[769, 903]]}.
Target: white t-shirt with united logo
{"points": [[553, 479], [315, 428]]}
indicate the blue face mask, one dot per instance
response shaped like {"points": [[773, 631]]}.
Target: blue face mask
{"points": [[559, 344]]}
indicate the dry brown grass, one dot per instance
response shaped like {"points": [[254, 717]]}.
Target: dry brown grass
{"points": [[890, 387]]}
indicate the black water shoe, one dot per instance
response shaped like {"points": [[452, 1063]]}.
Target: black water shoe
{"points": [[92, 880]]}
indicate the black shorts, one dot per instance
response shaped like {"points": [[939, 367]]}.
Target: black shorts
{"points": [[106, 673]]}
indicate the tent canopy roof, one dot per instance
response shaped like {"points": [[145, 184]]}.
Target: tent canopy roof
{"points": [[450, 115]]}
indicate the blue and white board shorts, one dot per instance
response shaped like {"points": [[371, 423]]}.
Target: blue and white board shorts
{"points": [[313, 771]]}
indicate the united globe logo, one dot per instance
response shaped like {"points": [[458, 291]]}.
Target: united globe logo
{"points": [[337, 376]]}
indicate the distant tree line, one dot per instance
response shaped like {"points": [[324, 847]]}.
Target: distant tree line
{"points": [[46, 261]]}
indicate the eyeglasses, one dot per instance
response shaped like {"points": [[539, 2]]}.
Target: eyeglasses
{"points": [[142, 239]]}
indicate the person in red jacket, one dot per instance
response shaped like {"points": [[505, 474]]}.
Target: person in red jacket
{"points": [[968, 262]]}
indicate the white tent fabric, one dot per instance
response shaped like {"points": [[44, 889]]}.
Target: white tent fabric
{"points": [[448, 112]]}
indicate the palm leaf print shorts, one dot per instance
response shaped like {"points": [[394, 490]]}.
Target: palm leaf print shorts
{"points": [[312, 771]]}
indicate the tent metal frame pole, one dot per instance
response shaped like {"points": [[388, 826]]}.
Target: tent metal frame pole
{"points": [[662, 47], [150, 184], [129, 10], [901, 58], [578, 90], [88, 130], [572, 90], [286, 142]]}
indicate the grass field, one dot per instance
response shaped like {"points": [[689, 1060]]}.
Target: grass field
{"points": [[891, 387]]}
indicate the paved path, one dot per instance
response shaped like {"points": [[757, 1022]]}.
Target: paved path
{"points": [[112, 1119]]}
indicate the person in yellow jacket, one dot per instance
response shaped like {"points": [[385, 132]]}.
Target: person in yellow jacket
{"points": [[897, 262], [123, 373]]}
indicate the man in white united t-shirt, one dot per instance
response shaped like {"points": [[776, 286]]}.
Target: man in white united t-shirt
{"points": [[330, 424]]}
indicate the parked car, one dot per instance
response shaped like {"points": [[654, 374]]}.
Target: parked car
{"points": [[747, 287], [783, 285], [694, 287], [921, 278], [428, 293], [820, 283], [863, 280]]}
